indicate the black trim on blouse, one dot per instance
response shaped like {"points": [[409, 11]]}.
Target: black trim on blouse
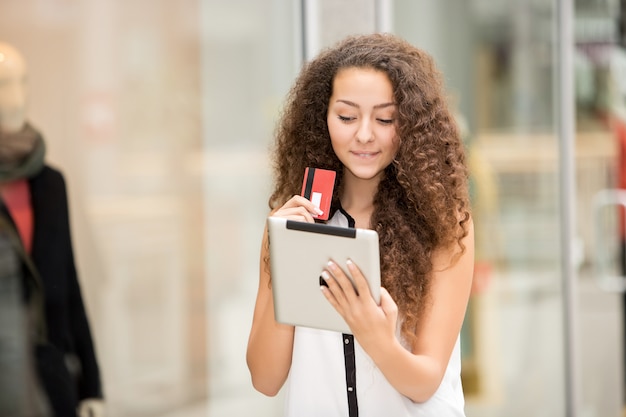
{"points": [[348, 354]]}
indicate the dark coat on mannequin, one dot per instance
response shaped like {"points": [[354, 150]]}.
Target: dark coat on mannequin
{"points": [[68, 332]]}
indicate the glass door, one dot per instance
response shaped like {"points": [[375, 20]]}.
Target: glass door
{"points": [[504, 73]]}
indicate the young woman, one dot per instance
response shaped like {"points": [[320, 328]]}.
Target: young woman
{"points": [[373, 109]]}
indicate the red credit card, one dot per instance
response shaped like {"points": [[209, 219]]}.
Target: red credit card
{"points": [[318, 187]]}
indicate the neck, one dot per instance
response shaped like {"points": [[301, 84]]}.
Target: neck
{"points": [[357, 198], [21, 154]]}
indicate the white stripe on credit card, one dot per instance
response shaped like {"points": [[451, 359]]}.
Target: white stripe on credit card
{"points": [[316, 199]]}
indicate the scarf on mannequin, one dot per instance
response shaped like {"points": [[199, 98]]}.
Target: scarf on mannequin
{"points": [[21, 154]]}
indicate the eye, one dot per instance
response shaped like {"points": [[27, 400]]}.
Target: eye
{"points": [[386, 121], [345, 118]]}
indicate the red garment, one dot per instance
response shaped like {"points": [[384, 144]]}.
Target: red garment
{"points": [[16, 197], [620, 132]]}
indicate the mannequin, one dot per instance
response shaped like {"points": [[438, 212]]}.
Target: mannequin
{"points": [[617, 90], [34, 199]]}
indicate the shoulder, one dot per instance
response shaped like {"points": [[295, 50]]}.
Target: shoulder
{"points": [[50, 173], [48, 177], [48, 186]]}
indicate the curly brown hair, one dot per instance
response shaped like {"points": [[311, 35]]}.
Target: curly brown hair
{"points": [[422, 202]]}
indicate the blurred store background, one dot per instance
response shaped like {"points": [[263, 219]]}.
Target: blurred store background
{"points": [[160, 114]]}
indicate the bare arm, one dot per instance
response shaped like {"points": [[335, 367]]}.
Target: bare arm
{"points": [[418, 373], [270, 344]]}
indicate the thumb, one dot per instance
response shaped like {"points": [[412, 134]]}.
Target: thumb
{"points": [[387, 304]]}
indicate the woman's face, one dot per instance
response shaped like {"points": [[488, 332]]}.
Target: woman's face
{"points": [[361, 122]]}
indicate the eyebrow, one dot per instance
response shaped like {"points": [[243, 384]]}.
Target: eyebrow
{"points": [[377, 106]]}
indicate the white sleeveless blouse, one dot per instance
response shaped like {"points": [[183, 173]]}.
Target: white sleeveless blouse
{"points": [[316, 385]]}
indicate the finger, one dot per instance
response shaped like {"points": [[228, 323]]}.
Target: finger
{"points": [[362, 287], [295, 213], [389, 307], [346, 285], [332, 291], [333, 286], [299, 201]]}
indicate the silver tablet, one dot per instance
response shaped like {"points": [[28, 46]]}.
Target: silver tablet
{"points": [[299, 251]]}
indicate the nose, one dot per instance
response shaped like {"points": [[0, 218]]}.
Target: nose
{"points": [[18, 96], [12, 106], [365, 132]]}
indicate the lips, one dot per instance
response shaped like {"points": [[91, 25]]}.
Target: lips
{"points": [[362, 154]]}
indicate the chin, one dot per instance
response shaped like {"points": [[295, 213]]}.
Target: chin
{"points": [[366, 175], [11, 123]]}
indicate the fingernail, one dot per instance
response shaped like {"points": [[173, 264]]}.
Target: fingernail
{"points": [[318, 211], [331, 264], [325, 275]]}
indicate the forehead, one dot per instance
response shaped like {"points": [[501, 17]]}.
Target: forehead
{"points": [[352, 83]]}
